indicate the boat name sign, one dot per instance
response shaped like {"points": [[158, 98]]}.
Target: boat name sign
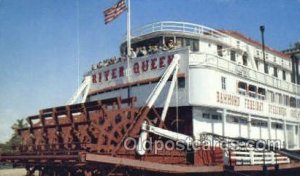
{"points": [[138, 67]]}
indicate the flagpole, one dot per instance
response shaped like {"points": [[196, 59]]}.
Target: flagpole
{"points": [[128, 36], [128, 46]]}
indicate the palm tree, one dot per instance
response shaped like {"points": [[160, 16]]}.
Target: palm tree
{"points": [[19, 124], [16, 138]]}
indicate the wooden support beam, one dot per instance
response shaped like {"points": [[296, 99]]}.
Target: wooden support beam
{"points": [[150, 166]]}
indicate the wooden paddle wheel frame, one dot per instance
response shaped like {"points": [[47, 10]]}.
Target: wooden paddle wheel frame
{"points": [[74, 139]]}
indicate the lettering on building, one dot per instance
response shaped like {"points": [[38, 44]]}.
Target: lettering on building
{"points": [[228, 99], [254, 105], [276, 110], [295, 113]]}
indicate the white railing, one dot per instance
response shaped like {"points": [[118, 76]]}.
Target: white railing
{"points": [[173, 26], [204, 59], [256, 158]]}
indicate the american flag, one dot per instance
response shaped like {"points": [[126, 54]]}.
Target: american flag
{"points": [[113, 12]]}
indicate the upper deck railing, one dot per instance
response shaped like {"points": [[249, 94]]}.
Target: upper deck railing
{"points": [[173, 26], [245, 72]]}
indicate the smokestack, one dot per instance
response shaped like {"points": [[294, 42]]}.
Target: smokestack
{"points": [[262, 30]]}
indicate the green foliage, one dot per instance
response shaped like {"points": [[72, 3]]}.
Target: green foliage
{"points": [[4, 148], [15, 139]]}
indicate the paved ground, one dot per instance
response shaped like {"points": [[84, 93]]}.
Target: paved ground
{"points": [[12, 172]]}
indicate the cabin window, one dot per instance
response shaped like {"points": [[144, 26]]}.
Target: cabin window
{"points": [[223, 82], [216, 117], [263, 124], [205, 116], [170, 43], [232, 55], [168, 39], [261, 93], [298, 103], [257, 52], [286, 100], [243, 121], [252, 91], [179, 42], [256, 63], [235, 119], [192, 43], [181, 82], [242, 88], [278, 98], [266, 68], [259, 123], [220, 50], [195, 45], [187, 42], [275, 72], [232, 119], [283, 75], [245, 59], [277, 126], [271, 96], [293, 102]]}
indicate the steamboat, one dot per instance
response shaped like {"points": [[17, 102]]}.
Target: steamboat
{"points": [[188, 100]]}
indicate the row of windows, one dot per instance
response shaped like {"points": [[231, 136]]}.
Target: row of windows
{"points": [[245, 61], [235, 119], [243, 121], [275, 59], [232, 55], [211, 116], [261, 123], [275, 70], [251, 90], [261, 93], [192, 43]]}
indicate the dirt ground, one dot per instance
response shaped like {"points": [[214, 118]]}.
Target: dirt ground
{"points": [[12, 172]]}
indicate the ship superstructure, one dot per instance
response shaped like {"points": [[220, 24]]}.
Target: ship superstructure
{"points": [[221, 81]]}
